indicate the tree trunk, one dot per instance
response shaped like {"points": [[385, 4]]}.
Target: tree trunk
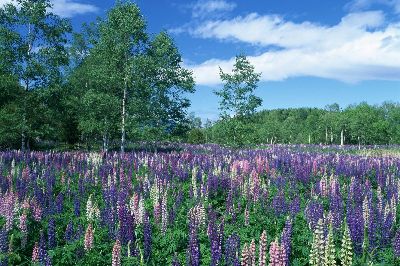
{"points": [[309, 138], [105, 143], [123, 118], [331, 136], [326, 135], [342, 138]]}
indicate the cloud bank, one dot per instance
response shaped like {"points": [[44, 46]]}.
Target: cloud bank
{"points": [[362, 46]]}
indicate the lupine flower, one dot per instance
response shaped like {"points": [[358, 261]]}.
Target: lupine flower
{"points": [[396, 244], [147, 236], [246, 217], [88, 242], [262, 253], [286, 239], [35, 253], [197, 215], [346, 251], [329, 258], [116, 254], [92, 212], [69, 232], [193, 247], [232, 250], [252, 253], [51, 233], [164, 214], [318, 245], [24, 229], [3, 240], [245, 256], [275, 256]]}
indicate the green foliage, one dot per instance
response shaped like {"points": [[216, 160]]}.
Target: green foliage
{"points": [[361, 124]]}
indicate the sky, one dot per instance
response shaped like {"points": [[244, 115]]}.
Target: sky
{"points": [[310, 53]]}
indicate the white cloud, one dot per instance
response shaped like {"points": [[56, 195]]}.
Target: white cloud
{"points": [[357, 5], [362, 46], [204, 8], [65, 8], [68, 8]]}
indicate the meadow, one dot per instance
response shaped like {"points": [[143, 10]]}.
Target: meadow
{"points": [[200, 205]]}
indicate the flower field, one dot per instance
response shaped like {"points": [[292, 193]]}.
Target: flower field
{"points": [[199, 205]]}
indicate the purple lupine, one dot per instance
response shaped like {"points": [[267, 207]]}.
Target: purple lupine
{"points": [[295, 206], [77, 207], [355, 221], [279, 204], [3, 241], [286, 239], [232, 250], [193, 247], [59, 203], [43, 255], [387, 227], [51, 233], [313, 212], [69, 232], [147, 236], [175, 261]]}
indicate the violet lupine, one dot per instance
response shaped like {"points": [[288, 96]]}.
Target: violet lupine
{"points": [[355, 222], [51, 233], [116, 254], [194, 254], [69, 232], [3, 241], [286, 239], [262, 252], [232, 250], [89, 236], [313, 212]]}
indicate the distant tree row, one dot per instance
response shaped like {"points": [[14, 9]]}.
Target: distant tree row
{"points": [[361, 124], [106, 84]]}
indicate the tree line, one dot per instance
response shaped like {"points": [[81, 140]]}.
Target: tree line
{"points": [[110, 82], [358, 124]]}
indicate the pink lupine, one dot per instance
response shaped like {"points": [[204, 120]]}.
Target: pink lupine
{"points": [[36, 211], [35, 253], [116, 254], [252, 253], [88, 242], [7, 205], [262, 254], [245, 256], [275, 254]]}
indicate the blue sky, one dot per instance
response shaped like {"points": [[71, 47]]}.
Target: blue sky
{"points": [[310, 53]]}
